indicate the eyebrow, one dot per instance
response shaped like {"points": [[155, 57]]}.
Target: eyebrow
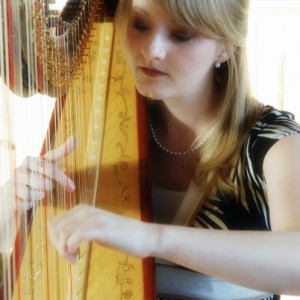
{"points": [[140, 10], [145, 12]]}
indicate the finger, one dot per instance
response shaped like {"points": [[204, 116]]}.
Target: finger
{"points": [[63, 150], [34, 180], [47, 171], [73, 242], [61, 178], [34, 164], [59, 224], [40, 183], [72, 258], [28, 194], [61, 243], [28, 163], [59, 240], [67, 227], [24, 205]]}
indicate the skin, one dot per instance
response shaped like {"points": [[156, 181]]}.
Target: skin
{"points": [[31, 180], [37, 175], [268, 261]]}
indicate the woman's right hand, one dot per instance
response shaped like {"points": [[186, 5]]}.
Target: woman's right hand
{"points": [[38, 175]]}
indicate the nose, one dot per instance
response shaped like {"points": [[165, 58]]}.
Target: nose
{"points": [[155, 47]]}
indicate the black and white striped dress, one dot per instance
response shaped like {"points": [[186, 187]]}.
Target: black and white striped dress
{"points": [[249, 209]]}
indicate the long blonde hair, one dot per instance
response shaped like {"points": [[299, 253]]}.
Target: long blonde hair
{"points": [[226, 21]]}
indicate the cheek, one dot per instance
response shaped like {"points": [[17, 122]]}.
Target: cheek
{"points": [[201, 55], [132, 43], [188, 66], [193, 70], [196, 62]]}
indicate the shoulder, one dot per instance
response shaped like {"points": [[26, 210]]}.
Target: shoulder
{"points": [[272, 126], [281, 170]]}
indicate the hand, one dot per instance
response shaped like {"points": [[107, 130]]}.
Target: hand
{"points": [[87, 223], [38, 175]]}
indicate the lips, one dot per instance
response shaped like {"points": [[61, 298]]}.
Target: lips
{"points": [[152, 72]]}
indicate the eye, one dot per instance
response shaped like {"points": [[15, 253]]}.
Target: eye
{"points": [[140, 25], [182, 36]]}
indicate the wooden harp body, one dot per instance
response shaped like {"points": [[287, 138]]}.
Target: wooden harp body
{"points": [[73, 55]]}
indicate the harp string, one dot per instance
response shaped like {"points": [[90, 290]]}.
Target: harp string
{"points": [[68, 56], [74, 123], [7, 208], [45, 77], [8, 224]]}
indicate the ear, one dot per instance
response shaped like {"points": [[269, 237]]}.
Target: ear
{"points": [[222, 53]]}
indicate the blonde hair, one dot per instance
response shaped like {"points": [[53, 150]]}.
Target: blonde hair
{"points": [[226, 21]]}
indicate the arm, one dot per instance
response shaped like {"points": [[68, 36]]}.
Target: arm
{"points": [[262, 260], [268, 261]]}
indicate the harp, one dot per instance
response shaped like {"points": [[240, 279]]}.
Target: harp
{"points": [[70, 53]]}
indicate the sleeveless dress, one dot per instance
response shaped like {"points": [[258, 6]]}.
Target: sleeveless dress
{"points": [[247, 210]]}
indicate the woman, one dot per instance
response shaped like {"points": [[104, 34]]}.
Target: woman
{"points": [[219, 158]]}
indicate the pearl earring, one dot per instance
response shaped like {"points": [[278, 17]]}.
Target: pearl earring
{"points": [[217, 65]]}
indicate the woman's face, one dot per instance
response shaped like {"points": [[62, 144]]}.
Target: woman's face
{"points": [[167, 59]]}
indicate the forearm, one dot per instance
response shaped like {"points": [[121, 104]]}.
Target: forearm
{"points": [[260, 260]]}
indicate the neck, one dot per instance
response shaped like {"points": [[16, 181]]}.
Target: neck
{"points": [[179, 116], [195, 110], [178, 121], [177, 126]]}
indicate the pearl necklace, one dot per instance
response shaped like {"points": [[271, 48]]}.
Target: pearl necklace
{"points": [[194, 147]]}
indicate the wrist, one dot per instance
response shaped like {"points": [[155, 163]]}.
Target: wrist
{"points": [[155, 240]]}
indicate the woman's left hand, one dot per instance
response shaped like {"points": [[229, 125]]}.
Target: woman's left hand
{"points": [[87, 223], [38, 175]]}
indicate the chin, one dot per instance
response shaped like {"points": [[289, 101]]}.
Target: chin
{"points": [[152, 93]]}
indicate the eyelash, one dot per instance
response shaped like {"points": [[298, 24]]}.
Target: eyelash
{"points": [[177, 36], [183, 37], [140, 26]]}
